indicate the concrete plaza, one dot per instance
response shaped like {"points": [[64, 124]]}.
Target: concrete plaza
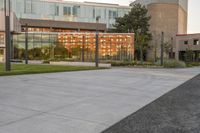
{"points": [[81, 102]]}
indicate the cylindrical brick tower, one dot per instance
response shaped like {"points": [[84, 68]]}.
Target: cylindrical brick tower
{"points": [[169, 16]]}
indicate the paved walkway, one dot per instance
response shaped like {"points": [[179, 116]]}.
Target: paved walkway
{"points": [[81, 102]]}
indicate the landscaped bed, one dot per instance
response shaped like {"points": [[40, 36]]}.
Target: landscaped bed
{"points": [[19, 69]]}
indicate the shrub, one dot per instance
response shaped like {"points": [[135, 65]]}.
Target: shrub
{"points": [[174, 64], [146, 64], [118, 63], [46, 62], [192, 64]]}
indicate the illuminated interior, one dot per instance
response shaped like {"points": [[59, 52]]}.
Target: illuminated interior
{"points": [[74, 46]]}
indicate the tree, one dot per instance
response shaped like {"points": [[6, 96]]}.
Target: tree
{"points": [[59, 51], [137, 21], [189, 55], [167, 48], [142, 43]]}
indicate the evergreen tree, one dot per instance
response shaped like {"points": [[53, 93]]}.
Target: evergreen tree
{"points": [[137, 21]]}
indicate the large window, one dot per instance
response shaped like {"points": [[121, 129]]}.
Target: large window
{"points": [[93, 13], [112, 14], [186, 42], [1, 55], [28, 6], [98, 12], [76, 10], [196, 42], [57, 10], [1, 5], [67, 11], [74, 47], [35, 7], [2, 39], [53, 9], [1, 52]]}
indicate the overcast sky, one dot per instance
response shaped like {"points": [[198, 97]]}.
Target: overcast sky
{"points": [[193, 13]]}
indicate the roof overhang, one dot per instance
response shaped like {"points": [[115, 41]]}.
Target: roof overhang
{"points": [[62, 24]]}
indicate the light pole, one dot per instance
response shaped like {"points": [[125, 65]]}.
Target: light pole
{"points": [[97, 43], [7, 34], [26, 45], [140, 43], [172, 40], [162, 49]]}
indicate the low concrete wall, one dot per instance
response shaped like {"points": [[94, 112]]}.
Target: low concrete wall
{"points": [[34, 61], [79, 64]]}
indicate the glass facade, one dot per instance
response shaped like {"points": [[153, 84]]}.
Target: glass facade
{"points": [[1, 5], [74, 46], [1, 54], [2, 46], [2, 40], [68, 11]]}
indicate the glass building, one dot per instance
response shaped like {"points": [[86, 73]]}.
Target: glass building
{"points": [[64, 30], [74, 46], [60, 10]]}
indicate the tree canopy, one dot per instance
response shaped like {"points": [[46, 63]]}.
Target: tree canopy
{"points": [[137, 21]]}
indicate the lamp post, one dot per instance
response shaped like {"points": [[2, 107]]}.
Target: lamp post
{"points": [[26, 45], [7, 34], [172, 55], [97, 43], [140, 43], [162, 49]]}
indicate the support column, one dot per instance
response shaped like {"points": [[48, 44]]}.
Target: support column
{"points": [[26, 45], [97, 50], [162, 49], [177, 50], [83, 49], [7, 34]]}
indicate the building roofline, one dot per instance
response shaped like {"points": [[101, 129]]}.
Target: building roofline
{"points": [[187, 34], [86, 3], [63, 24], [182, 3], [101, 3], [77, 33]]}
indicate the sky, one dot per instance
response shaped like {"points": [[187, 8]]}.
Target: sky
{"points": [[193, 13]]}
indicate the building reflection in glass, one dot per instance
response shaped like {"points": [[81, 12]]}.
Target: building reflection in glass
{"points": [[74, 46]]}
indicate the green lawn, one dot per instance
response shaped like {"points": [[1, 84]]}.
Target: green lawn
{"points": [[19, 69]]}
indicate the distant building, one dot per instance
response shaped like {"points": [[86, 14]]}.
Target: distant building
{"points": [[169, 16], [188, 47], [60, 10]]}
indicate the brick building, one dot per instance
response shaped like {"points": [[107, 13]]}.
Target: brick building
{"points": [[168, 16]]}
